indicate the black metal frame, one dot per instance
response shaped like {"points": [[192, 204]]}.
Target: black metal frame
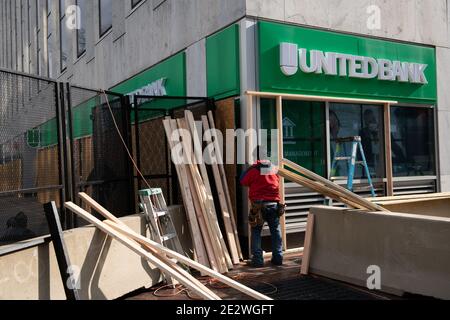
{"points": [[126, 123], [136, 108], [62, 255], [67, 186]]}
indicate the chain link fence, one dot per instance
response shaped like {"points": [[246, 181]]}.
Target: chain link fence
{"points": [[58, 140], [29, 155], [101, 165]]}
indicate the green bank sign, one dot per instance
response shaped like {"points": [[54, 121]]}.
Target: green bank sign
{"points": [[306, 61]]}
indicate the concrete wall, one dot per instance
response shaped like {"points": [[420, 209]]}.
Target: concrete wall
{"points": [[108, 270], [420, 21], [412, 251], [146, 35]]}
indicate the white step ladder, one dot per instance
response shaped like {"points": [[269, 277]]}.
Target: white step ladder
{"points": [[160, 221]]}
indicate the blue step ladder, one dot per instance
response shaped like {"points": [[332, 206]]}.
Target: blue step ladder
{"points": [[340, 155]]}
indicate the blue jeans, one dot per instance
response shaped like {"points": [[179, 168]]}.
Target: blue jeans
{"points": [[270, 215]]}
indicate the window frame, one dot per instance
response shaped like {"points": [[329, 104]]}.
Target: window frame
{"points": [[62, 18], [100, 31], [81, 20], [436, 144], [135, 4]]}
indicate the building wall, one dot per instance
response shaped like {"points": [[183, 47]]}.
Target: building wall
{"points": [[418, 21], [158, 29]]}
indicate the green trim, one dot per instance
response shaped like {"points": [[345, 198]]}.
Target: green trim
{"points": [[273, 80], [173, 70], [223, 63]]}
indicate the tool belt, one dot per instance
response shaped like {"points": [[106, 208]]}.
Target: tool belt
{"points": [[281, 209], [256, 219]]}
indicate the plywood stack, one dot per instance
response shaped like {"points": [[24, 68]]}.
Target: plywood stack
{"points": [[186, 142]]}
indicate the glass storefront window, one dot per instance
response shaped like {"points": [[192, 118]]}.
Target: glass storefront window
{"points": [[366, 121], [303, 130], [413, 141]]}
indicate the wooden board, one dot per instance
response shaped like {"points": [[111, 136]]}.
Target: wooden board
{"points": [[226, 214], [225, 119], [199, 247], [222, 251], [333, 186], [307, 247], [330, 193], [280, 158], [224, 179], [199, 194], [132, 245], [411, 197], [388, 150], [191, 263], [114, 222]]}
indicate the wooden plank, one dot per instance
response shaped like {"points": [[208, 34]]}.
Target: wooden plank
{"points": [[412, 197], [223, 176], [222, 251], [280, 163], [191, 263], [388, 150], [308, 241], [91, 203], [136, 248], [348, 194], [196, 188], [199, 246], [226, 214], [203, 204], [250, 162], [317, 98], [330, 193]]}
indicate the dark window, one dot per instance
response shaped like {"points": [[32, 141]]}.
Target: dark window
{"points": [[413, 141], [134, 3], [105, 15], [351, 120], [63, 35], [303, 132], [81, 30], [38, 37]]}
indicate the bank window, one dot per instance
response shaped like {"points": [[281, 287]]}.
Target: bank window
{"points": [[413, 141], [352, 120], [303, 132], [81, 30], [105, 16]]}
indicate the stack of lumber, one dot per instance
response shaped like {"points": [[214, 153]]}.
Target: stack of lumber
{"points": [[161, 257], [308, 179], [186, 142]]}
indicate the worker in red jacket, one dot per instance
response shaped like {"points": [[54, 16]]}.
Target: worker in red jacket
{"points": [[264, 194]]}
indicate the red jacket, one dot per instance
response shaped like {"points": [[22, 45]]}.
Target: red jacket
{"points": [[263, 187]]}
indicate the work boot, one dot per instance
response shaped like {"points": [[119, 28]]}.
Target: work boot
{"points": [[252, 264], [276, 262]]}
